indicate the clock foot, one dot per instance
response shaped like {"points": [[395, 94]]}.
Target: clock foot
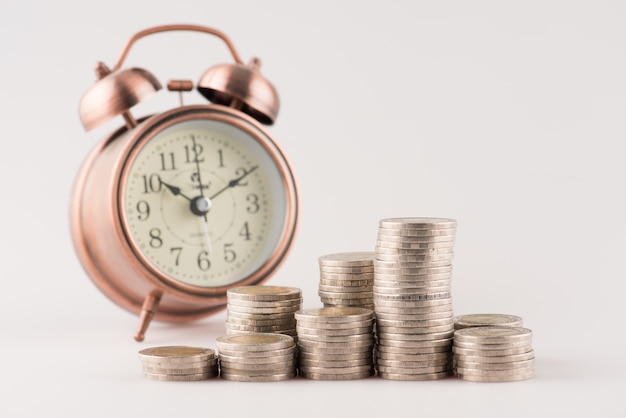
{"points": [[148, 309]]}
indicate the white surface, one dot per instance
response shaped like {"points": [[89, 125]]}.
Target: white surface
{"points": [[508, 116]]}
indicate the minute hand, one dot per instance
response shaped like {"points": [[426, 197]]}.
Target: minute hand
{"points": [[234, 182]]}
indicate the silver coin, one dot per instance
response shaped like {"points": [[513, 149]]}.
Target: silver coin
{"points": [[259, 354], [333, 315], [382, 283], [272, 360], [529, 374], [335, 338], [482, 320], [290, 321], [414, 377], [415, 317], [332, 364], [393, 263], [260, 328], [411, 297], [233, 313], [259, 378], [493, 335], [324, 356], [179, 377], [336, 349], [413, 344], [363, 258], [176, 354], [345, 376], [334, 326], [347, 283], [413, 270], [414, 364], [404, 232], [493, 373], [495, 366], [491, 353], [413, 303], [286, 303], [325, 270], [335, 345], [417, 223], [264, 293], [416, 370], [417, 357], [335, 370], [493, 347], [345, 289], [187, 371], [316, 332], [407, 242], [254, 342], [496, 359], [418, 310], [240, 367], [345, 295], [415, 323], [386, 290], [262, 310]]}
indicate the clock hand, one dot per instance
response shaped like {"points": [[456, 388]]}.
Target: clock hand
{"points": [[233, 182], [193, 139], [175, 190]]}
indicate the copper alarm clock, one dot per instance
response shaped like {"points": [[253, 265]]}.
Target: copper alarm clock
{"points": [[173, 209]]}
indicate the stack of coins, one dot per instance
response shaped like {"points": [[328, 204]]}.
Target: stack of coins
{"points": [[178, 363], [335, 343], [257, 357], [346, 279], [413, 299], [494, 354], [262, 309], [487, 320]]}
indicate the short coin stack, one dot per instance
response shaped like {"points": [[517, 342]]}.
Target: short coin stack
{"points": [[178, 363], [264, 309], [412, 298], [335, 343], [346, 279], [257, 357], [487, 320], [494, 354]]}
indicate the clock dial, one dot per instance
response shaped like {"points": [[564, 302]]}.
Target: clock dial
{"points": [[203, 202]]}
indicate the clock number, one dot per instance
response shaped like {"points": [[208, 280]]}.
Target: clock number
{"points": [[220, 155], [155, 238], [144, 210], [152, 183], [193, 153], [203, 261], [176, 251], [241, 172], [164, 162], [254, 206], [245, 232], [229, 254]]}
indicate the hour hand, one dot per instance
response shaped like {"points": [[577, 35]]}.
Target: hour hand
{"points": [[175, 190]]}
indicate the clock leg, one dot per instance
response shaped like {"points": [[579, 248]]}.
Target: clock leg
{"points": [[148, 309]]}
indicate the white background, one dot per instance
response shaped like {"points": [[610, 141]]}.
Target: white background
{"points": [[507, 116]]}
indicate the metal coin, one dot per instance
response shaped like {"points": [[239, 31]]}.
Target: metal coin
{"points": [[242, 359], [492, 347], [417, 223], [196, 370], [363, 270], [291, 321], [336, 338], [415, 317], [316, 332], [482, 320], [259, 378], [179, 377], [495, 366], [175, 354], [336, 370], [348, 283], [494, 373], [529, 374], [417, 370], [253, 368], [254, 328], [380, 290], [493, 335], [398, 310], [345, 289], [417, 357], [233, 313], [491, 353], [410, 297], [260, 355], [417, 345], [496, 359], [400, 232], [316, 349], [334, 326], [255, 342], [413, 303], [414, 377], [334, 345], [264, 293], [263, 310], [347, 259], [414, 364], [331, 364], [327, 376], [322, 356], [286, 303], [415, 323], [332, 315]]}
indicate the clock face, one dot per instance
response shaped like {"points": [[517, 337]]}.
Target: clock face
{"points": [[203, 202]]}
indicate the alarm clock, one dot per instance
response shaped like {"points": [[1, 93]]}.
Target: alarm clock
{"points": [[172, 209]]}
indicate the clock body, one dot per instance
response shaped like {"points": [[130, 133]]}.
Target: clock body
{"points": [[182, 207]]}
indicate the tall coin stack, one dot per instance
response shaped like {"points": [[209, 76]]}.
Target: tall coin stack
{"points": [[265, 309], [335, 343], [494, 354], [178, 363], [413, 299], [346, 279], [257, 357]]}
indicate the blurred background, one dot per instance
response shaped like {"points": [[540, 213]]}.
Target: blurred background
{"points": [[507, 116]]}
